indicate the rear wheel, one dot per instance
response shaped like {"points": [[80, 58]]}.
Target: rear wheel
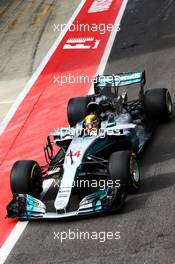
{"points": [[158, 104], [26, 178], [77, 109]]}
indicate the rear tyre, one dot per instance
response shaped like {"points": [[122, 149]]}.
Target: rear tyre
{"points": [[158, 104], [77, 109], [26, 178]]}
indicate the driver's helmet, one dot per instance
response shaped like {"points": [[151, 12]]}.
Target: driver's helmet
{"points": [[91, 122]]}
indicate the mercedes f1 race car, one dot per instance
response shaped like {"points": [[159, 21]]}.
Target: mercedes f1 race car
{"points": [[97, 162]]}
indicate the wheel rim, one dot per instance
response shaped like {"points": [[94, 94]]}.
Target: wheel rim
{"points": [[134, 168], [35, 179], [169, 103]]}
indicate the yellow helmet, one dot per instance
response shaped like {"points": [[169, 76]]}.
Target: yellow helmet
{"points": [[91, 122]]}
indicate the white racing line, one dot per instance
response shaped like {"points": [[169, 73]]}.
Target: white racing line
{"points": [[20, 226]]}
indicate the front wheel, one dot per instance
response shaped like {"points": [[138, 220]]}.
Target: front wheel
{"points": [[124, 166], [26, 178]]}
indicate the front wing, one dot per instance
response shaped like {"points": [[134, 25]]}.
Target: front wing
{"points": [[25, 207]]}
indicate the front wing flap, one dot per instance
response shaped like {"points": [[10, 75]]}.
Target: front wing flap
{"points": [[24, 206]]}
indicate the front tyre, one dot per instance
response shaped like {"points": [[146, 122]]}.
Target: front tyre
{"points": [[134, 174], [124, 166], [26, 178]]}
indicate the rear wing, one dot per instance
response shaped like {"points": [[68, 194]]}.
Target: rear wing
{"points": [[117, 80]]}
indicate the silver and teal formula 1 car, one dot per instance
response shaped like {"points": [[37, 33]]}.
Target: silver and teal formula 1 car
{"points": [[94, 169]]}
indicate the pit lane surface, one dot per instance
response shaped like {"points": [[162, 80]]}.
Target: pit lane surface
{"points": [[147, 223], [32, 22], [43, 102]]}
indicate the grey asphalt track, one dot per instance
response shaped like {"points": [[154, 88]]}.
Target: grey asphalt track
{"points": [[147, 222], [26, 35]]}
